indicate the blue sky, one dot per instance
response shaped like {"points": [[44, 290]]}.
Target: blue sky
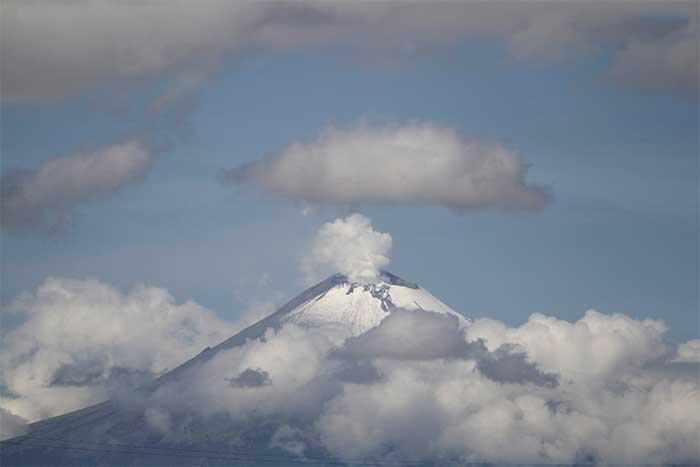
{"points": [[620, 160]]}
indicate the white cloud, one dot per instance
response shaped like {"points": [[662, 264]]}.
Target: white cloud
{"points": [[55, 49], [45, 196], [595, 347], [602, 410], [362, 401], [421, 163], [82, 340], [688, 351], [349, 246], [311, 392]]}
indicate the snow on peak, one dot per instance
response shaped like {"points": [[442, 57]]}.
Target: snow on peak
{"points": [[337, 305], [356, 308]]}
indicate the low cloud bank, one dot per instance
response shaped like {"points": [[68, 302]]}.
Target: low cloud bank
{"points": [[598, 346], [349, 246], [417, 387], [416, 163], [83, 340], [45, 197]]}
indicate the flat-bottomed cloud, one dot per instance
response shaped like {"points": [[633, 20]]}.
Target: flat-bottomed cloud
{"points": [[417, 163]]}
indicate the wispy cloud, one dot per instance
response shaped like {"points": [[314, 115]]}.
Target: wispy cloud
{"points": [[43, 198], [51, 50]]}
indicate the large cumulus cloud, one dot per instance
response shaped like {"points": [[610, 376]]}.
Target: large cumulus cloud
{"points": [[422, 163], [419, 387], [82, 340], [55, 49], [597, 346]]}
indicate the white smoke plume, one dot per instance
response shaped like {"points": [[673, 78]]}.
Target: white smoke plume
{"points": [[417, 163], [349, 246]]}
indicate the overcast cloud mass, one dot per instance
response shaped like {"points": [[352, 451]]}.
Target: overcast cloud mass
{"points": [[51, 50], [420, 163]]}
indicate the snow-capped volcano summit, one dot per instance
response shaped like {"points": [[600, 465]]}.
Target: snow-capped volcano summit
{"points": [[356, 308], [335, 304]]}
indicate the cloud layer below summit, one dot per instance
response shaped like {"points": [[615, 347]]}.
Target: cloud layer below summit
{"points": [[605, 388]]}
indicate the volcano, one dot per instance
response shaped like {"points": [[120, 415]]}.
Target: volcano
{"points": [[112, 433], [335, 304]]}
